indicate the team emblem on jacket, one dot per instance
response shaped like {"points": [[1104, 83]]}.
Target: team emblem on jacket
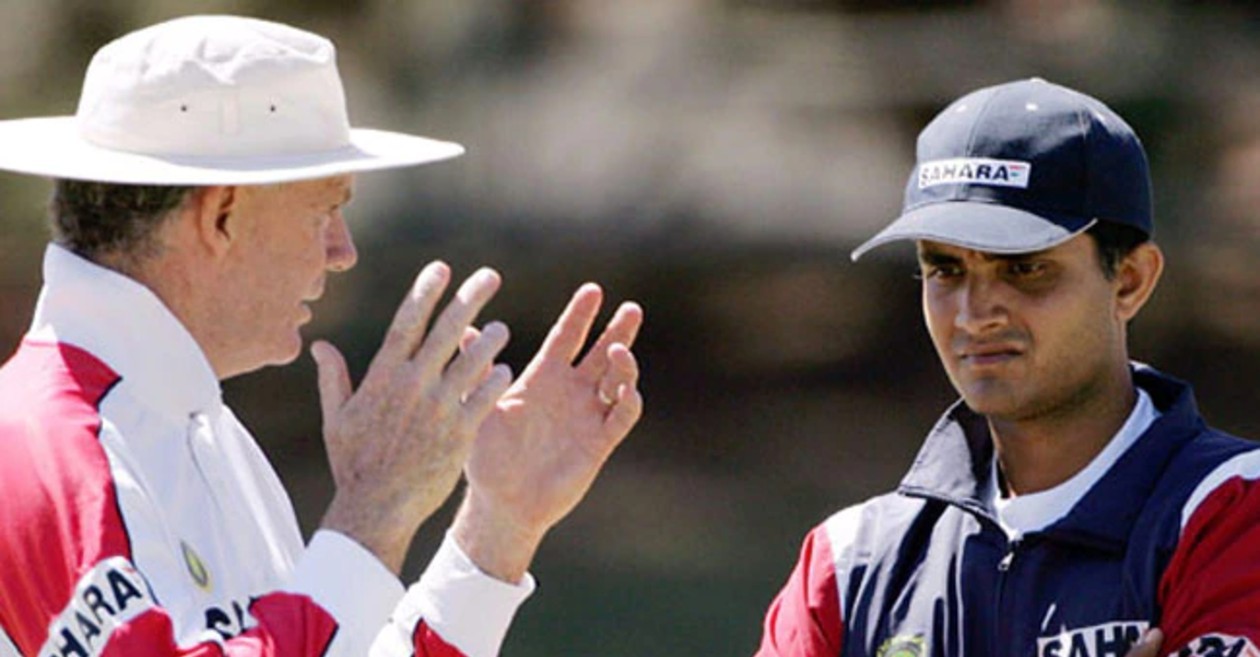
{"points": [[1220, 645], [196, 567], [1104, 640], [902, 646]]}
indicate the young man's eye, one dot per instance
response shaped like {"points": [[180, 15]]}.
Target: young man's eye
{"points": [[1027, 268], [939, 272]]}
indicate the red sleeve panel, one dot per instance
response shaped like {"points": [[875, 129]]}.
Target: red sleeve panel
{"points": [[1210, 592], [68, 586], [429, 644], [805, 619]]}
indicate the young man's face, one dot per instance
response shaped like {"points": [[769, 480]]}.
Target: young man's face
{"points": [[1027, 335]]}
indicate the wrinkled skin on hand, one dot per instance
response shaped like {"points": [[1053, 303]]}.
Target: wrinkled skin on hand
{"points": [[549, 435], [397, 445]]}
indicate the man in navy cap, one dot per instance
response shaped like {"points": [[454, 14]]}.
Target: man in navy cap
{"points": [[1073, 500]]}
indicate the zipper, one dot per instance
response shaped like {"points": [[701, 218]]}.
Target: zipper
{"points": [[1002, 637], [1005, 564]]}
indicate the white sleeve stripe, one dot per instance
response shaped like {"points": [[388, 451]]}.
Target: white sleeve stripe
{"points": [[7, 648], [842, 531], [1245, 466]]}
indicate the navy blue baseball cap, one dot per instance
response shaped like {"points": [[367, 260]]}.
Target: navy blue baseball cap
{"points": [[1022, 167]]}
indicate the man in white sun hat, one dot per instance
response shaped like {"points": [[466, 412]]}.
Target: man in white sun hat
{"points": [[1072, 499], [197, 209]]}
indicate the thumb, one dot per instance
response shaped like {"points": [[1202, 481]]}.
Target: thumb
{"points": [[334, 378], [1148, 645]]}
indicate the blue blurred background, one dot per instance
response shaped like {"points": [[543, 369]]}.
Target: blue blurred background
{"points": [[714, 160]]}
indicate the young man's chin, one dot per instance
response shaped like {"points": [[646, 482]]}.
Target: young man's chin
{"points": [[992, 399]]}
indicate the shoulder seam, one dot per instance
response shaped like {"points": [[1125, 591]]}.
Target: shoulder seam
{"points": [[1241, 466]]}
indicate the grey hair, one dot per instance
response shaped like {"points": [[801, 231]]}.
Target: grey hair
{"points": [[100, 220]]}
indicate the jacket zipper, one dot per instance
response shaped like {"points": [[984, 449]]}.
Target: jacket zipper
{"points": [[1002, 637], [1005, 564]]}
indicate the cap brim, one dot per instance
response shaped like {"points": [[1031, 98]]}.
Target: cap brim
{"points": [[987, 227], [51, 146]]}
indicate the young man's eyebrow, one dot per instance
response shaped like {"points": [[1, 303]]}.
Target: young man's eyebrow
{"points": [[930, 256], [1015, 257]]}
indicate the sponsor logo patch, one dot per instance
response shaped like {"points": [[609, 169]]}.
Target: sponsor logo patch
{"points": [[108, 596], [975, 170], [1220, 645], [1105, 640], [903, 646]]}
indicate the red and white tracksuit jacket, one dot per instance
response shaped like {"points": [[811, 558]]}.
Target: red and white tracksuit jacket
{"points": [[1162, 530], [139, 517]]}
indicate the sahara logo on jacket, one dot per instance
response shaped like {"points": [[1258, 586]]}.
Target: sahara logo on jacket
{"points": [[1104, 640], [109, 595]]}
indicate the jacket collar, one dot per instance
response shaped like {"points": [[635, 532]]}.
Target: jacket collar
{"points": [[954, 464], [124, 324]]}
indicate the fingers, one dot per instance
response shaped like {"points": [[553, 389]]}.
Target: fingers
{"points": [[622, 372], [333, 376], [475, 359], [622, 329], [449, 328], [407, 329], [627, 402], [566, 338], [407, 336], [481, 400], [623, 415], [470, 334], [1148, 645]]}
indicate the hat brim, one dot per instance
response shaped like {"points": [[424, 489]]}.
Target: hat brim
{"points": [[986, 227], [52, 147]]}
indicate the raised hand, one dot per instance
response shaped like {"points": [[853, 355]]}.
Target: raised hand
{"points": [[1148, 645], [551, 432], [397, 445]]}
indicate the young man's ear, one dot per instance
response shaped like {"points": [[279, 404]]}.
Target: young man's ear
{"points": [[212, 209], [1136, 277]]}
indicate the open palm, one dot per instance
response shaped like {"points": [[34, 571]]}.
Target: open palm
{"points": [[538, 453]]}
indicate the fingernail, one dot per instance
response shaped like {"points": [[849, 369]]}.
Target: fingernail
{"points": [[439, 268], [495, 330]]}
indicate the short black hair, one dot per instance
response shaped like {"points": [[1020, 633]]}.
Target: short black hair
{"points": [[95, 219], [1115, 242]]}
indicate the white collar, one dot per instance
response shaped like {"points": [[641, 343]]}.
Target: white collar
{"points": [[126, 325], [1035, 511]]}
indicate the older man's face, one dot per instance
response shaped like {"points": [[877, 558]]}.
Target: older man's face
{"points": [[291, 235]]}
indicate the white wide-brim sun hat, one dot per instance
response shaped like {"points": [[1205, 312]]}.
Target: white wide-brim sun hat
{"points": [[210, 100]]}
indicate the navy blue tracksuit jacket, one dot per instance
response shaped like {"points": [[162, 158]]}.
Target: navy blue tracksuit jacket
{"points": [[1169, 537]]}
